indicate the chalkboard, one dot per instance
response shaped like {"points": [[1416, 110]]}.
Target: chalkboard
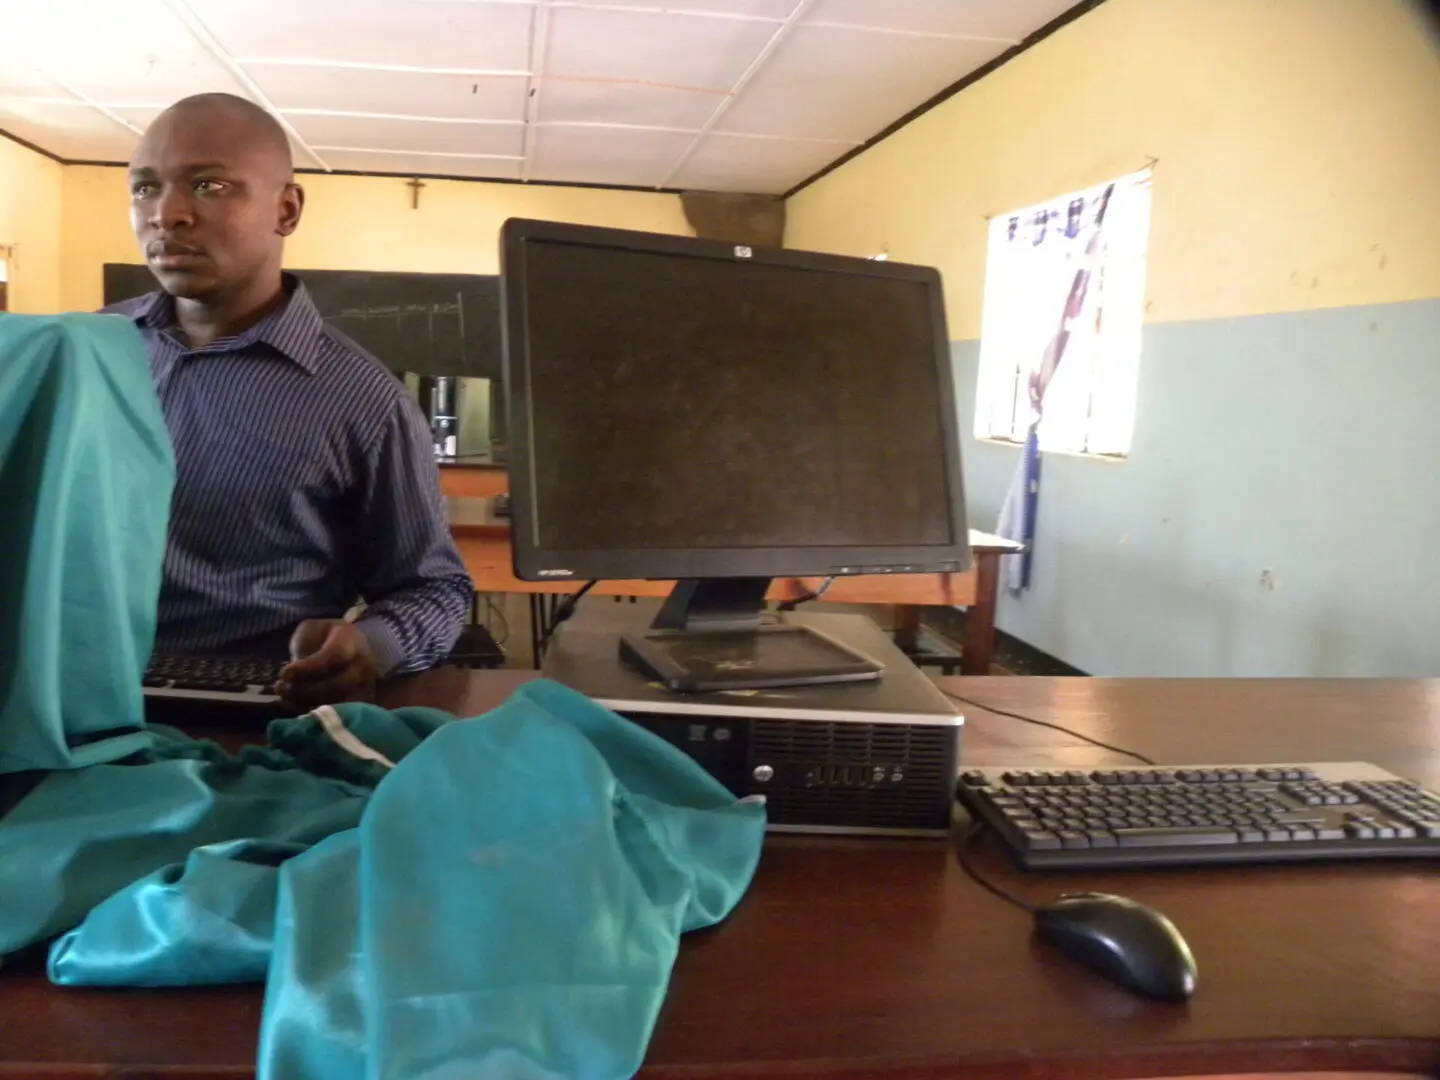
{"points": [[434, 324]]}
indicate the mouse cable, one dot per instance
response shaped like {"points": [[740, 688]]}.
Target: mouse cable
{"points": [[1046, 724], [564, 610], [963, 852]]}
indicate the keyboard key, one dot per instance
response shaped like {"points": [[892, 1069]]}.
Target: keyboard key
{"points": [[1101, 838], [1252, 836], [1330, 833], [974, 779], [1071, 838], [1175, 837], [1041, 841]]}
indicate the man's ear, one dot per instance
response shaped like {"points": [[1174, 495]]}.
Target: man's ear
{"points": [[292, 205]]}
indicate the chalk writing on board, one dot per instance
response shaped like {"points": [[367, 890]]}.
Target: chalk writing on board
{"points": [[393, 310], [419, 337]]}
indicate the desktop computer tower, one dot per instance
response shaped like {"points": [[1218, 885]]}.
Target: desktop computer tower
{"points": [[877, 757]]}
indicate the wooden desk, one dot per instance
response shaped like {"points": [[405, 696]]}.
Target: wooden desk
{"points": [[872, 958], [483, 541]]}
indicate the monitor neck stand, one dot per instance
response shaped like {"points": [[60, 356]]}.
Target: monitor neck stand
{"points": [[714, 605], [710, 634]]}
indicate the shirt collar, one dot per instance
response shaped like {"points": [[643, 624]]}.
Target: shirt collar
{"points": [[294, 329]]}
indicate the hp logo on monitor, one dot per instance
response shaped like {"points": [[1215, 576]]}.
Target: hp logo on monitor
{"points": [[742, 252]]}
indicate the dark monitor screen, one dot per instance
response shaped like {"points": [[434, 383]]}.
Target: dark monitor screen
{"points": [[694, 412]]}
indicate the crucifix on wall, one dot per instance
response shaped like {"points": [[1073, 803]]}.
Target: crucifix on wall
{"points": [[414, 185]]}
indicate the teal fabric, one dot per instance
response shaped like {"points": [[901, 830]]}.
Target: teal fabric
{"points": [[86, 471], [505, 902]]}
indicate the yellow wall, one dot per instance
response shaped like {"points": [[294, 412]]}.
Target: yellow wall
{"points": [[361, 223], [30, 193], [1298, 147]]}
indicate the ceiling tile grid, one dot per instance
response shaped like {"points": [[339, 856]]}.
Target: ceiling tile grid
{"points": [[726, 95]]}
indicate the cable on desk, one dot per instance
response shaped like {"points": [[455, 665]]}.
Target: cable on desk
{"points": [[1046, 724], [497, 613], [805, 598], [974, 875], [564, 610]]}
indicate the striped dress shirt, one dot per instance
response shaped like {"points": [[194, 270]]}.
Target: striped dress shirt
{"points": [[305, 481]]}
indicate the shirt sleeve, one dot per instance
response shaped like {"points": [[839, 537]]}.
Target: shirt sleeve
{"points": [[416, 590]]}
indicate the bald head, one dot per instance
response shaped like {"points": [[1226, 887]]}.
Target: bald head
{"points": [[238, 120], [213, 197]]}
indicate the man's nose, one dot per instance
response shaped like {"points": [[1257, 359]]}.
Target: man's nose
{"points": [[173, 209]]}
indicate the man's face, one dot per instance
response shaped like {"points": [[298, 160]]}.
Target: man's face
{"points": [[210, 202]]}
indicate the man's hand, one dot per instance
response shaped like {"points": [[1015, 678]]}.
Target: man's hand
{"points": [[331, 661]]}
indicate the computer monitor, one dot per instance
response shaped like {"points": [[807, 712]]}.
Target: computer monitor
{"points": [[722, 416]]}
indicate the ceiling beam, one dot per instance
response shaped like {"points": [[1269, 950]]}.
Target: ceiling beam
{"points": [[746, 77], [539, 61], [371, 65], [207, 41]]}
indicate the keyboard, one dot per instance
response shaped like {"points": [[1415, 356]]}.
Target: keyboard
{"points": [[231, 679], [1165, 816]]}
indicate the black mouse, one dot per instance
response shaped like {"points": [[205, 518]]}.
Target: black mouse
{"points": [[1125, 941]]}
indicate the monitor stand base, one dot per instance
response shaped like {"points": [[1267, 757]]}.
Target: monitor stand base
{"points": [[712, 634]]}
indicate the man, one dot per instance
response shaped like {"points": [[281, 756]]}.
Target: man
{"points": [[305, 475]]}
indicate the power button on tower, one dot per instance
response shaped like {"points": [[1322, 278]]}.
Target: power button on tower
{"points": [[763, 773]]}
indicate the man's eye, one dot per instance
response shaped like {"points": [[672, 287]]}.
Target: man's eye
{"points": [[142, 190], [209, 187]]}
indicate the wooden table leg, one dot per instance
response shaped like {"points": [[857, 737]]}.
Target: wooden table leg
{"points": [[979, 644]]}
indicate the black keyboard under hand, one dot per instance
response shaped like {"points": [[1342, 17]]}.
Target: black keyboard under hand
{"points": [[244, 680], [1203, 814]]}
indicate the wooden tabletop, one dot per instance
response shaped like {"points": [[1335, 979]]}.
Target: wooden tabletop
{"points": [[871, 958]]}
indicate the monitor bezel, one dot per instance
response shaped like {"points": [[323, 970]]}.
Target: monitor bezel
{"points": [[535, 562]]}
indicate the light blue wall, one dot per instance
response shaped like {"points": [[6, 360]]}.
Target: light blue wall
{"points": [[1279, 513]]}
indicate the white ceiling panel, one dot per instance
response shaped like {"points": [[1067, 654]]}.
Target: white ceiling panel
{"points": [[471, 36], [775, 10], [583, 102], [843, 84], [762, 166], [72, 132], [670, 50], [133, 52], [606, 155], [367, 133], [612, 91], [422, 165], [393, 93], [18, 79], [1006, 19]]}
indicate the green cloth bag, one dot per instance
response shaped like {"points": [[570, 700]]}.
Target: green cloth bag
{"points": [[523, 881]]}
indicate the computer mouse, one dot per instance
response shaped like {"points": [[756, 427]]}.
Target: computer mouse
{"points": [[1123, 940]]}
